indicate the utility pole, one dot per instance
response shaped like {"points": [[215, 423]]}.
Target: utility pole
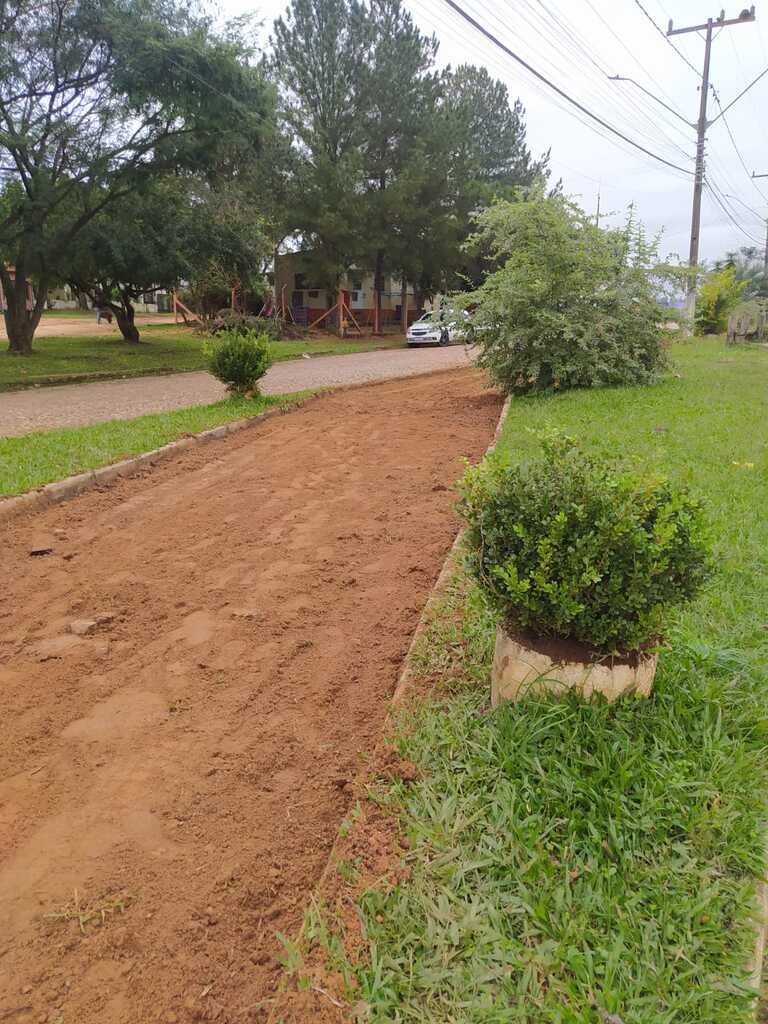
{"points": [[701, 127]]}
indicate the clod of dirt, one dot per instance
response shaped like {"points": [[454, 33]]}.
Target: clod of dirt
{"points": [[82, 627], [104, 618], [439, 487], [39, 550]]}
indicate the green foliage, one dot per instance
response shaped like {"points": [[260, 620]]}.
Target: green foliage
{"points": [[384, 139], [571, 305], [749, 263], [230, 321], [97, 99], [573, 546], [239, 360], [719, 294]]}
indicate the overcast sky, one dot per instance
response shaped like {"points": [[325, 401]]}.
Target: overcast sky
{"points": [[575, 43]]}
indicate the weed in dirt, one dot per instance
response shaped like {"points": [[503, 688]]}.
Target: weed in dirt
{"points": [[574, 862], [85, 913]]}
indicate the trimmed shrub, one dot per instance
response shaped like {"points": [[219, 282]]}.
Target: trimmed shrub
{"points": [[573, 546], [239, 360]]}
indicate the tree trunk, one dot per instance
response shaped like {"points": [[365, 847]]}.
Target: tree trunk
{"points": [[125, 321], [378, 285], [404, 304], [20, 322]]}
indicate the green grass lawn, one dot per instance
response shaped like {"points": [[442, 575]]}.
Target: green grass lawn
{"points": [[164, 348], [580, 863], [36, 459]]}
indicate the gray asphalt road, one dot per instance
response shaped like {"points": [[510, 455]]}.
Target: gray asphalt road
{"points": [[72, 405]]}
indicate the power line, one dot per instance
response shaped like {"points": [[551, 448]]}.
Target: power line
{"points": [[736, 148], [572, 39], [542, 78], [667, 40], [729, 214]]}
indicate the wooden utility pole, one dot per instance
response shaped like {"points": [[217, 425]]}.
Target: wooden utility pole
{"points": [[701, 127]]}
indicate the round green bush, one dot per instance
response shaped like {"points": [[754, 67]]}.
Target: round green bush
{"points": [[239, 360], [573, 546]]}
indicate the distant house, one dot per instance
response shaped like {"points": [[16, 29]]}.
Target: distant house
{"points": [[303, 301], [30, 294]]}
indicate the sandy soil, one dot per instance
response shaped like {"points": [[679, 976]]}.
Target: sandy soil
{"points": [[79, 326], [172, 780]]}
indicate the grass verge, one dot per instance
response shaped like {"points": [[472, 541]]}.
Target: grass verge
{"points": [[571, 862], [164, 348], [35, 459]]}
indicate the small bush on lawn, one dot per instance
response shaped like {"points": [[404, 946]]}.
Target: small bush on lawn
{"points": [[239, 360], [574, 546], [571, 305]]}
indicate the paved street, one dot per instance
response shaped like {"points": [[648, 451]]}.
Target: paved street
{"points": [[72, 405]]}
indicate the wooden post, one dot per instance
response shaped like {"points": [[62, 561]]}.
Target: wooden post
{"points": [[232, 300], [342, 321], [175, 310], [377, 312]]}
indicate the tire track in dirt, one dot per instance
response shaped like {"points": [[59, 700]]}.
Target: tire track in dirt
{"points": [[183, 766]]}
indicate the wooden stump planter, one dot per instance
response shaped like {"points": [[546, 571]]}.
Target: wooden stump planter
{"points": [[524, 664]]}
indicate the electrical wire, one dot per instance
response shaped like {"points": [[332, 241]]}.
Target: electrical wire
{"points": [[571, 38], [736, 148], [561, 92], [667, 40], [713, 191], [443, 24]]}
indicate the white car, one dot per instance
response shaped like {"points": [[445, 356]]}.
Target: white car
{"points": [[437, 328]]}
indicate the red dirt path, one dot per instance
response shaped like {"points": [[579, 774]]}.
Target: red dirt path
{"points": [[184, 767]]}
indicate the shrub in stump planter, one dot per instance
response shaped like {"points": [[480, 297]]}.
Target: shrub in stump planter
{"points": [[582, 559]]}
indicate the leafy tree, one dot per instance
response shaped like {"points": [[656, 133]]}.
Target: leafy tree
{"points": [[570, 305], [392, 157], [398, 136], [320, 48], [750, 268], [719, 294], [490, 159], [96, 98]]}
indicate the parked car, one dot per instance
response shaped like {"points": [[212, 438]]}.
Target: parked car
{"points": [[439, 328]]}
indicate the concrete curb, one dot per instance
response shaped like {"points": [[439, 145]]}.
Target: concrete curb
{"points": [[70, 487], [408, 673]]}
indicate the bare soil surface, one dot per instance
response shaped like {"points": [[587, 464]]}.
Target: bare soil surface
{"points": [[186, 682], [79, 326], [73, 405]]}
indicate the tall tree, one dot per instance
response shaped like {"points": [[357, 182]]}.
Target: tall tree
{"points": [[400, 92], [490, 158], [320, 49], [96, 97]]}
